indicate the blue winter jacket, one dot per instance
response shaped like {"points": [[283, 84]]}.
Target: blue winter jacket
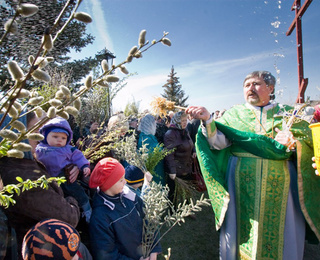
{"points": [[116, 226]]}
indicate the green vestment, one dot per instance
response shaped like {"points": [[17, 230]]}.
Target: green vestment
{"points": [[262, 178]]}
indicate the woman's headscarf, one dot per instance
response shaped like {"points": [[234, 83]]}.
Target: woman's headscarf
{"points": [[147, 125], [176, 119]]}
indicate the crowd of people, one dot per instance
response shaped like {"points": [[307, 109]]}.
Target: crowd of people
{"points": [[259, 177]]}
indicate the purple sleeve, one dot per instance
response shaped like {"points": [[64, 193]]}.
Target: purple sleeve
{"points": [[79, 159]]}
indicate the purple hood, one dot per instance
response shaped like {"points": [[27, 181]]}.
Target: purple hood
{"points": [[57, 122]]}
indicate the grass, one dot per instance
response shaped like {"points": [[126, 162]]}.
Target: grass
{"points": [[195, 239]]}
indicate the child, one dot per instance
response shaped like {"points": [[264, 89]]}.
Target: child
{"points": [[53, 239], [117, 218], [56, 153], [136, 178]]}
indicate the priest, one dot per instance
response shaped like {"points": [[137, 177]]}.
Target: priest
{"points": [[256, 165]]}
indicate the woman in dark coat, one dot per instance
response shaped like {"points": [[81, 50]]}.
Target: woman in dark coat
{"points": [[178, 163]]}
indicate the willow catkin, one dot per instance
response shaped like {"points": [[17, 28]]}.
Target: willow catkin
{"points": [[23, 93], [65, 91], [14, 70], [19, 126], [123, 69], [72, 111], [133, 50], [23, 147], [41, 75], [104, 65], [88, 82], [39, 112], [47, 42], [59, 95], [129, 59], [13, 112], [41, 62], [111, 78], [8, 134], [63, 114], [52, 112], [142, 38], [35, 136], [55, 102], [27, 10], [138, 55], [83, 17], [77, 103], [166, 41], [35, 101], [11, 29], [15, 153]]}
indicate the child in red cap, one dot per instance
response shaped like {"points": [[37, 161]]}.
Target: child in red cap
{"points": [[117, 217]]}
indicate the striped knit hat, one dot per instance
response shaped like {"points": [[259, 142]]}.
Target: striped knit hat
{"points": [[133, 175], [50, 239]]}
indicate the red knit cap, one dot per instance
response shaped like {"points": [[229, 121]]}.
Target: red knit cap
{"points": [[106, 173]]}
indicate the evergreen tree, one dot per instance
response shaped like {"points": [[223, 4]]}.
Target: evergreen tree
{"points": [[30, 31], [173, 90], [132, 108]]}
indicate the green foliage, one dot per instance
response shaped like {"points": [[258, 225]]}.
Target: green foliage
{"points": [[142, 158], [126, 149], [6, 193], [5, 145], [132, 108], [155, 156], [173, 90]]}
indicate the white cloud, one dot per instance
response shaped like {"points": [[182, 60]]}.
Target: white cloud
{"points": [[99, 26], [206, 83]]}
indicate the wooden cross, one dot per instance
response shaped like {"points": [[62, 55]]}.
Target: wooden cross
{"points": [[303, 82]]}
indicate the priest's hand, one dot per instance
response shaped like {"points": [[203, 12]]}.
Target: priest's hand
{"points": [[285, 138], [198, 112]]}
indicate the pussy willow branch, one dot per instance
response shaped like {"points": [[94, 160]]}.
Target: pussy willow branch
{"points": [[32, 67], [11, 101], [13, 19], [66, 23]]}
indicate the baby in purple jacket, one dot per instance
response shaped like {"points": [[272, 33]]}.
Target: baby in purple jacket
{"points": [[55, 152]]}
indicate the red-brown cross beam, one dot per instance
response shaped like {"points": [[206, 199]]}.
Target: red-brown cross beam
{"points": [[303, 82]]}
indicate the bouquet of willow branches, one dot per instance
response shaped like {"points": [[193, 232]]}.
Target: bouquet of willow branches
{"points": [[184, 189], [96, 146], [142, 158], [159, 211]]}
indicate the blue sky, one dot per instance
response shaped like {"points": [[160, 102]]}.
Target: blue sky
{"points": [[215, 44]]}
